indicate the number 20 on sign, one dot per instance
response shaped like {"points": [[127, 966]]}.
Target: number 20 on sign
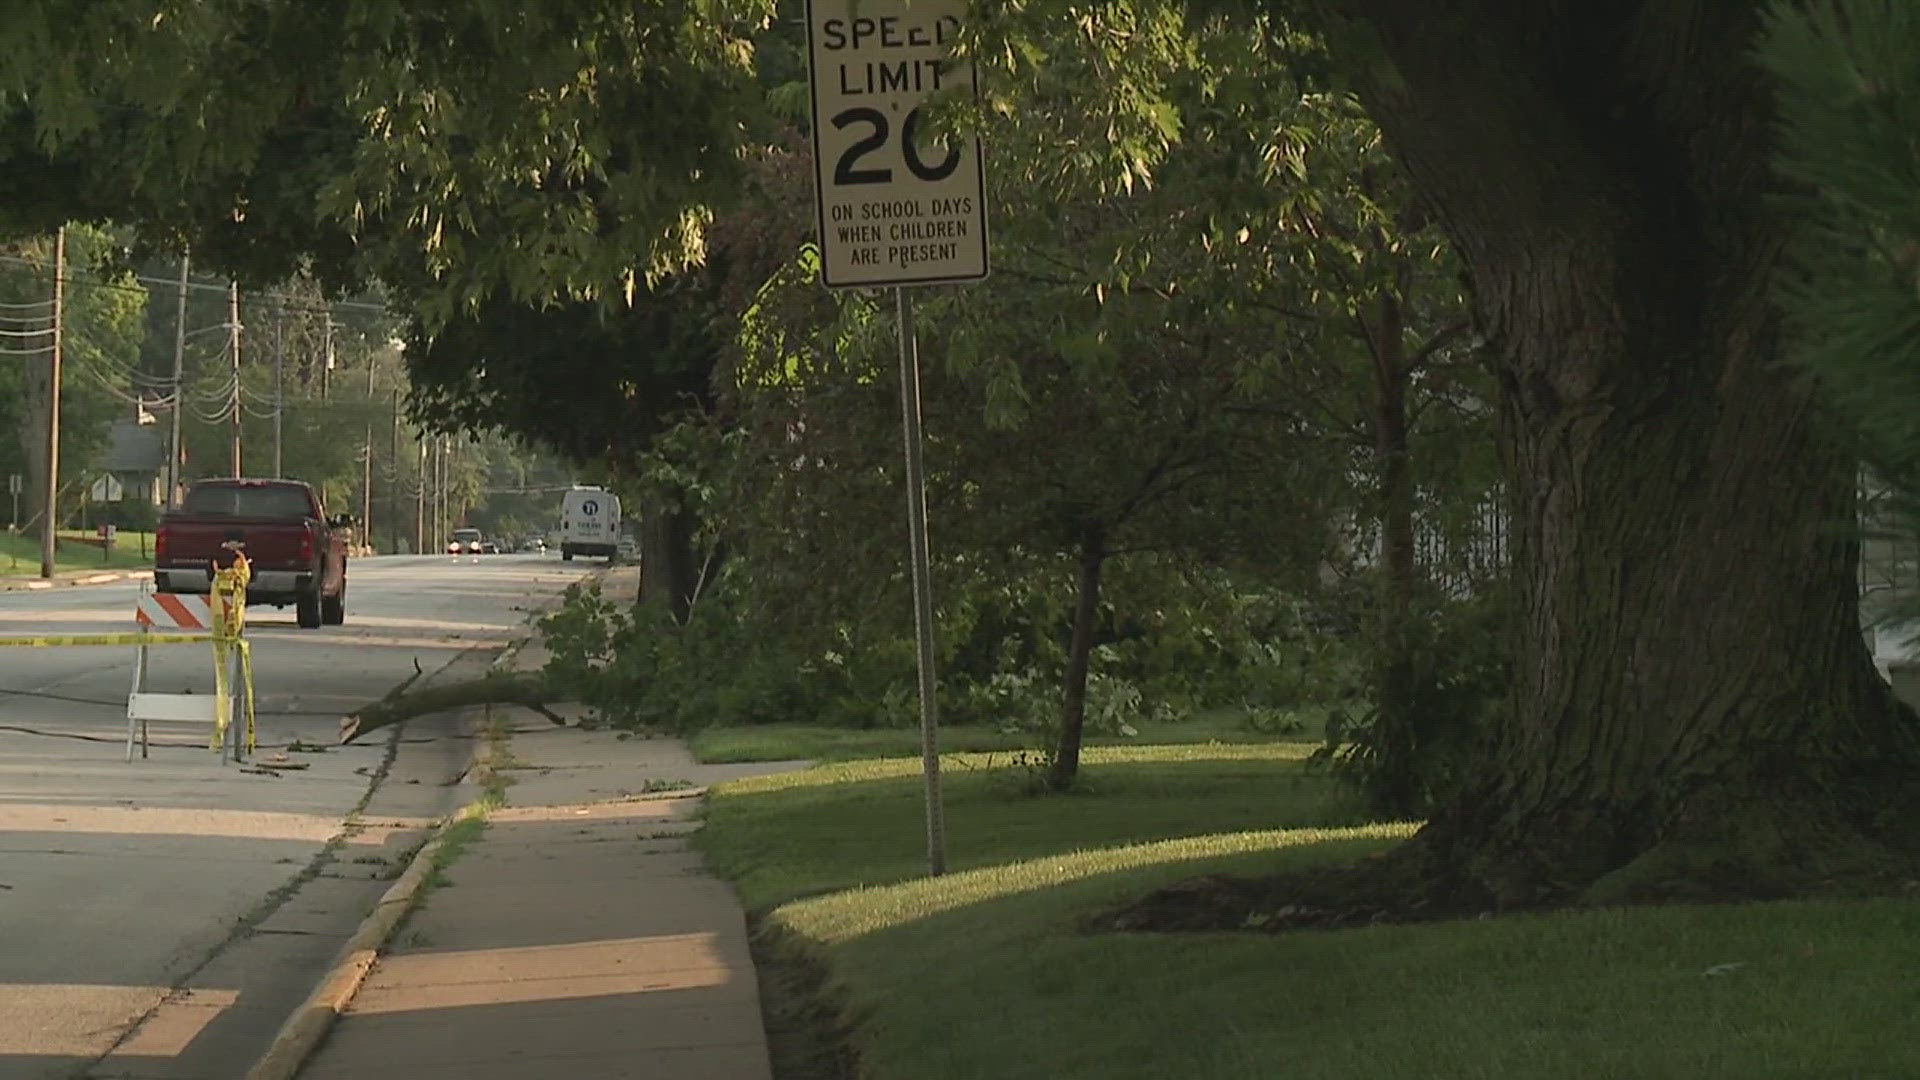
{"points": [[895, 207]]}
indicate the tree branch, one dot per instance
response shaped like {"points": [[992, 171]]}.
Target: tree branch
{"points": [[1440, 340]]}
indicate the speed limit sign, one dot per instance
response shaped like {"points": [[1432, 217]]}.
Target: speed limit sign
{"points": [[896, 207]]}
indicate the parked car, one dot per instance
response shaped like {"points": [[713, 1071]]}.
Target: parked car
{"points": [[464, 542], [298, 554], [489, 547]]}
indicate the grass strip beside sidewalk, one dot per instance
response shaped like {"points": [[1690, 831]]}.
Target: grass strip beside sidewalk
{"points": [[20, 554], [984, 972], [821, 742]]}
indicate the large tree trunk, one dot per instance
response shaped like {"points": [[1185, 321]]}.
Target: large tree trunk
{"points": [[1073, 699], [668, 573], [1694, 712]]}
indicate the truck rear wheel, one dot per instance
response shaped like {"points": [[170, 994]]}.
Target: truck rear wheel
{"points": [[306, 609]]}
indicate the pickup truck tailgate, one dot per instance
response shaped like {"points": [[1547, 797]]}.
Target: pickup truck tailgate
{"points": [[270, 545]]}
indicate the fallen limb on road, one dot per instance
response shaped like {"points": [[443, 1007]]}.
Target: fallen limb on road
{"points": [[527, 689]]}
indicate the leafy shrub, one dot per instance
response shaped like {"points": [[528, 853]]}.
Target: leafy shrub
{"points": [[1002, 662], [1455, 675], [638, 667]]}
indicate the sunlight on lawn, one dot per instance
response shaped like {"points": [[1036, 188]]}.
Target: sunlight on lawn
{"points": [[892, 768], [843, 916]]}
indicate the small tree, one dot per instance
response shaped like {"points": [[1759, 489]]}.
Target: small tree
{"points": [[101, 328]]}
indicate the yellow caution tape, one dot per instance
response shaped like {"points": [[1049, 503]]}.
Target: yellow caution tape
{"points": [[222, 696], [223, 713], [104, 639], [246, 672], [230, 598], [229, 621]]}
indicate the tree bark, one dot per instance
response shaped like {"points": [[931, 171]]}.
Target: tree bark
{"points": [[1073, 699], [668, 572], [526, 689], [1694, 712]]}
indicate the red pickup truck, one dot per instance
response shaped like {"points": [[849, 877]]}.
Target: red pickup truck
{"points": [[298, 553]]}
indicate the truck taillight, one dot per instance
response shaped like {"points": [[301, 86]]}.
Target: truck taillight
{"points": [[306, 545], [160, 539]]}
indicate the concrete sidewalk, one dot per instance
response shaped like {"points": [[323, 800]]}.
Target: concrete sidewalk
{"points": [[578, 936], [17, 582]]}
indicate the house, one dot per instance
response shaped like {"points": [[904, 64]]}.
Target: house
{"points": [[135, 463]]}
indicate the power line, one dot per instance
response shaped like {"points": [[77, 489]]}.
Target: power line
{"points": [[298, 304], [130, 399]]}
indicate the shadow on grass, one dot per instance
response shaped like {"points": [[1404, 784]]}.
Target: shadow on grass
{"points": [[825, 742], [834, 969], [863, 823], [986, 973]]}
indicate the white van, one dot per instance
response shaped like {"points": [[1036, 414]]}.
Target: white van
{"points": [[589, 522]]}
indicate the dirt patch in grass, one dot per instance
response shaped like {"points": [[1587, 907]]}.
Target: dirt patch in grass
{"points": [[1373, 892], [1812, 849]]}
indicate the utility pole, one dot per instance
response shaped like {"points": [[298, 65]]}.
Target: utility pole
{"points": [[326, 350], [435, 461], [49, 518], [279, 383], [440, 523], [420, 505], [446, 482], [179, 388], [366, 474], [446, 468], [393, 480], [233, 349]]}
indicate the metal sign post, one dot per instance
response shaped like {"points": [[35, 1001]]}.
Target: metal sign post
{"points": [[922, 580], [895, 211]]}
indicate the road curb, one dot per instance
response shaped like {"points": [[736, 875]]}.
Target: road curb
{"points": [[303, 1032], [309, 1024], [73, 580]]}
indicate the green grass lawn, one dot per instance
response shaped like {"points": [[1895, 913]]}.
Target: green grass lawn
{"points": [[862, 823], [984, 972], [20, 553], [821, 742]]}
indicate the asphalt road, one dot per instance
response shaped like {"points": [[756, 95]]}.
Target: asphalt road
{"points": [[159, 918]]}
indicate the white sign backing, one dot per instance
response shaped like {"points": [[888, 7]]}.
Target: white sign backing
{"points": [[895, 207]]}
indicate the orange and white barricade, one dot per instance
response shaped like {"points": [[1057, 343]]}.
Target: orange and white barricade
{"points": [[167, 612], [218, 617]]}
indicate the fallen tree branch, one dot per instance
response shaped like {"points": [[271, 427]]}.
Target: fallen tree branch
{"points": [[526, 689]]}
